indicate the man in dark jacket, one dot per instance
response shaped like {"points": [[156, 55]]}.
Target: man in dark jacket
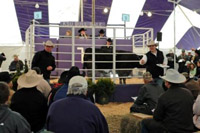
{"points": [[148, 96], [174, 109], [16, 64], [152, 59], [75, 114], [29, 101], [10, 121], [45, 60]]}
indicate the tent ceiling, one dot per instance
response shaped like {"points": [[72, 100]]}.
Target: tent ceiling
{"points": [[161, 10]]}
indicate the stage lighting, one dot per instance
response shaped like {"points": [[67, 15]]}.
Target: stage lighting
{"points": [[37, 5], [149, 14], [105, 10]]}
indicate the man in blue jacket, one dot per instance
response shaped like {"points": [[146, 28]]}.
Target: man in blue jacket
{"points": [[75, 114]]}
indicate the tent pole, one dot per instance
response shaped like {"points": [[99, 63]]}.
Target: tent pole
{"points": [[93, 12]]}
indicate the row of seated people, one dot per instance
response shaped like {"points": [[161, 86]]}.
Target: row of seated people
{"points": [[175, 105], [84, 35], [188, 63], [31, 102]]}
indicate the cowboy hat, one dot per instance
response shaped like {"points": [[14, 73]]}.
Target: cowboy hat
{"points": [[29, 79], [49, 43], [173, 76], [152, 43], [5, 76], [82, 29], [109, 40], [101, 31]]}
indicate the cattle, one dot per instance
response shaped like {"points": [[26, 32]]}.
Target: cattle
{"points": [[121, 57]]}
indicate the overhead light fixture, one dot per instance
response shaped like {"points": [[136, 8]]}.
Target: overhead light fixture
{"points": [[37, 5], [149, 14], [141, 13], [105, 10]]}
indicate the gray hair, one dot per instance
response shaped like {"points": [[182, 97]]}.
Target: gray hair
{"points": [[77, 89]]}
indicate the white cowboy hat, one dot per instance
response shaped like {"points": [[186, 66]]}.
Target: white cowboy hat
{"points": [[49, 43], [152, 43], [173, 76], [29, 79]]}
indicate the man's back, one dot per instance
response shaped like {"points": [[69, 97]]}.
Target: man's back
{"points": [[149, 94], [75, 114], [174, 109]]}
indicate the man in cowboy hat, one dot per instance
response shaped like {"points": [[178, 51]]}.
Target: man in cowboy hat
{"points": [[101, 34], [82, 33], [45, 60], [151, 59], [174, 109], [64, 115], [29, 101], [108, 45]]}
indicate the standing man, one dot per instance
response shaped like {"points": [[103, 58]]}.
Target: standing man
{"points": [[45, 60], [173, 112], [152, 59]]}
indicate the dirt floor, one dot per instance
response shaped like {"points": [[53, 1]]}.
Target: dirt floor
{"points": [[113, 113]]}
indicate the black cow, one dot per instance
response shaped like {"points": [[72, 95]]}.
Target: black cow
{"points": [[108, 56]]}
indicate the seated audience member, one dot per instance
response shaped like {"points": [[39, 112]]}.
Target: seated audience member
{"points": [[108, 46], [198, 69], [170, 58], [57, 86], [61, 93], [173, 112], [5, 77], [190, 56], [196, 56], [75, 114], [16, 63], [2, 58], [192, 85], [68, 33], [43, 86], [182, 60], [101, 34], [196, 112], [148, 96], [82, 33], [30, 102], [10, 121], [192, 70]]}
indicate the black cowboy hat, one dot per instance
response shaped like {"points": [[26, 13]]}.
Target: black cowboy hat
{"points": [[5, 76], [101, 31], [82, 29], [109, 40]]}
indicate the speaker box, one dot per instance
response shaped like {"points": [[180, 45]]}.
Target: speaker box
{"points": [[159, 36]]}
